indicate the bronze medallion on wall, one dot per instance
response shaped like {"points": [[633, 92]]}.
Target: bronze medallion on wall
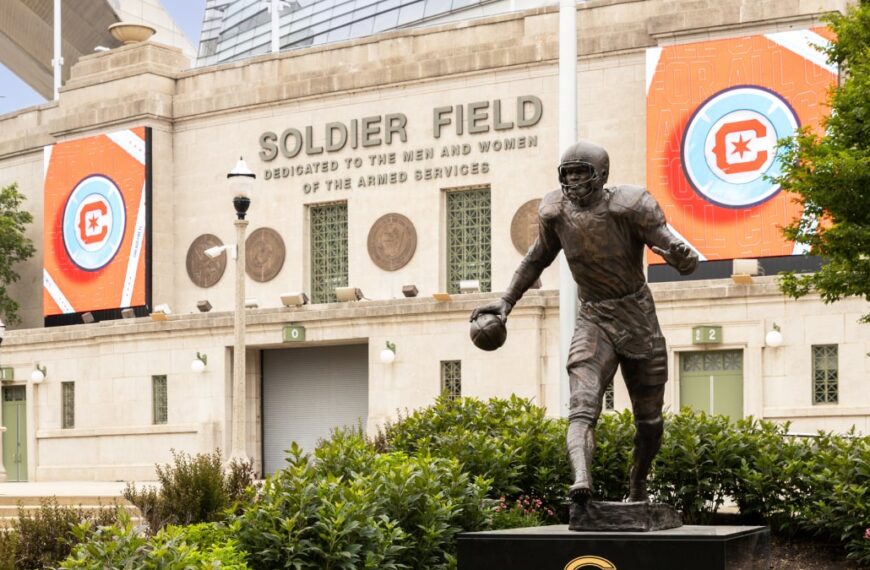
{"points": [[202, 269], [524, 226], [264, 254], [392, 241]]}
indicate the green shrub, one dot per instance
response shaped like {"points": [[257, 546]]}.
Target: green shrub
{"points": [[772, 478], [8, 549], [42, 538], [614, 441], [349, 506], [303, 519], [696, 467], [509, 442], [206, 545], [191, 490], [837, 503]]}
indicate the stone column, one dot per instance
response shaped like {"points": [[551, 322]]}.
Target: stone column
{"points": [[237, 450]]}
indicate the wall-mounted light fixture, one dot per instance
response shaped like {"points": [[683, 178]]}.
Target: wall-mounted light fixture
{"points": [[442, 297], [773, 338], [388, 355], [88, 318], [215, 251], [204, 306], [251, 303], [409, 290], [348, 294], [469, 286], [294, 299], [742, 270], [161, 312], [128, 313], [198, 364], [38, 374]]}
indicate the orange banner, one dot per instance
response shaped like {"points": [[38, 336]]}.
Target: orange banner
{"points": [[95, 225], [715, 110]]}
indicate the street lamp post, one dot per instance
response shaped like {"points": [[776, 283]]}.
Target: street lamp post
{"points": [[241, 181], [2, 429]]}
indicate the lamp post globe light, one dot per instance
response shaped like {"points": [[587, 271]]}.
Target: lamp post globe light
{"points": [[241, 182]]}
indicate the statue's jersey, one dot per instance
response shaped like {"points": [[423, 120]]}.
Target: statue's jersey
{"points": [[604, 241]]}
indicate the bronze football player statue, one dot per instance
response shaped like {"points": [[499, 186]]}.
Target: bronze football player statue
{"points": [[603, 232]]}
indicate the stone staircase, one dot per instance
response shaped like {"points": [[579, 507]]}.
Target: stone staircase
{"points": [[88, 497]]}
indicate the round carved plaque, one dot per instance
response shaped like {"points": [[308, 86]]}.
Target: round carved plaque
{"points": [[524, 226], [264, 254], [202, 269], [392, 241]]}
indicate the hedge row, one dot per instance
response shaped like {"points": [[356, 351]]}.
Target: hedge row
{"points": [[398, 501]]}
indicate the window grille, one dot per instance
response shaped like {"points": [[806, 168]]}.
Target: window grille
{"points": [[713, 361], [159, 399], [451, 379], [469, 244], [608, 397], [68, 405], [825, 374], [328, 251]]}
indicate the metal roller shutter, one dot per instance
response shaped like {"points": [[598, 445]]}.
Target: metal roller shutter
{"points": [[309, 391]]}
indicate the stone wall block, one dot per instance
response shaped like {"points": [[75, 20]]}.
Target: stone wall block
{"points": [[433, 67], [460, 63]]}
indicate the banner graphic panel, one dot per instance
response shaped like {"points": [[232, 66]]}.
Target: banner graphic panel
{"points": [[95, 234], [715, 111]]}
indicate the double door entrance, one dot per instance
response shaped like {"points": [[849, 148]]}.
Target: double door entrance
{"points": [[712, 382], [15, 437]]}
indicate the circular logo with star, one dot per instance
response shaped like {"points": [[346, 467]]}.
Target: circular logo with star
{"points": [[94, 220], [729, 145]]}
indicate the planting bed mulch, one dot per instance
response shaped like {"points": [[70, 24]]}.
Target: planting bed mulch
{"points": [[807, 554]]}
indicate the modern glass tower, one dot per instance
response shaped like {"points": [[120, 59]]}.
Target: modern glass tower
{"points": [[237, 29]]}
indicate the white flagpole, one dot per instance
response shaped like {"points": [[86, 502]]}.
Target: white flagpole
{"points": [[567, 137], [57, 62]]}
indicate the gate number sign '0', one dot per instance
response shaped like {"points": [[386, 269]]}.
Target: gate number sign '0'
{"points": [[706, 334], [294, 333]]}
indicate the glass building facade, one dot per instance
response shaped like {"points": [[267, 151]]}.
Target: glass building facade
{"points": [[238, 29]]}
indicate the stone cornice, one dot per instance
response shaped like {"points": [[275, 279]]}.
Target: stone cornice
{"points": [[374, 313]]}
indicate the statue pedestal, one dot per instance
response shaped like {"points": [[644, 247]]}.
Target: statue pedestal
{"points": [[632, 517], [557, 548]]}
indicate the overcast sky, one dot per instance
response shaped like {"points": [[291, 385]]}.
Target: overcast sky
{"points": [[15, 94]]}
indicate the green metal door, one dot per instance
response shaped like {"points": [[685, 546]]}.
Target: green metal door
{"points": [[15, 436], [712, 381]]}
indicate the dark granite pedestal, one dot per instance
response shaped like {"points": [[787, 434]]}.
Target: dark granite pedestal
{"points": [[557, 548]]}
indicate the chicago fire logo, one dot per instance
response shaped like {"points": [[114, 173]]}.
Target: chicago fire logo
{"points": [[729, 145], [94, 220]]}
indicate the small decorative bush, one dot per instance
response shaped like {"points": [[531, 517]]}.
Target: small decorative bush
{"points": [[123, 545], [191, 490], [613, 453], [43, 537], [696, 466], [523, 512], [509, 442], [349, 507]]}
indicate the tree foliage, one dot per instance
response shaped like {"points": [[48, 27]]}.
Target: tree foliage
{"points": [[830, 173], [15, 247]]}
